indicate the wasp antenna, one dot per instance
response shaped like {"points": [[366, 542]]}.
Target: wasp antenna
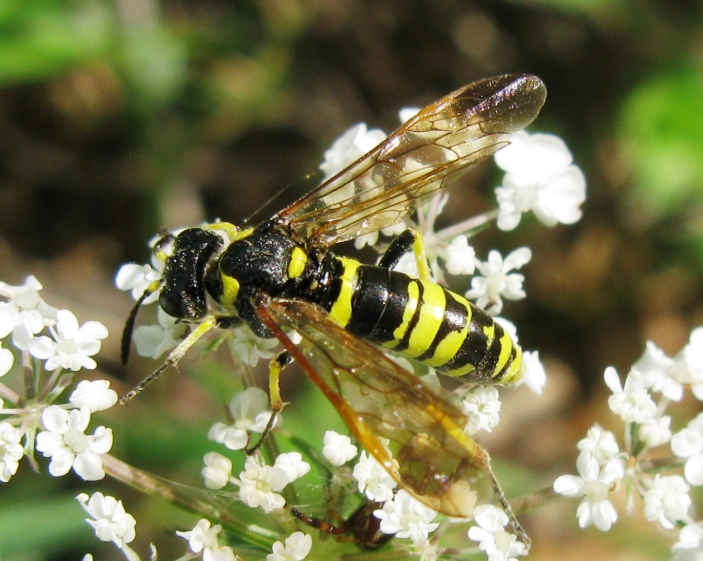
{"points": [[514, 522], [129, 324], [124, 400], [175, 356]]}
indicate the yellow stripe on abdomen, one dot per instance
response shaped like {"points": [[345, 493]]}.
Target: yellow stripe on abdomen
{"points": [[431, 315], [452, 341], [341, 310]]}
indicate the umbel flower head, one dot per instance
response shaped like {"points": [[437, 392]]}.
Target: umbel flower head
{"points": [[65, 442], [540, 177], [110, 520]]}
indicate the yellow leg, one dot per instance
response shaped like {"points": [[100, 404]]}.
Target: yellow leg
{"points": [[175, 356], [423, 267], [276, 366], [409, 239]]}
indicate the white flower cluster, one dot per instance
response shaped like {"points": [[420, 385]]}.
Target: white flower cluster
{"points": [[25, 315], [401, 514], [604, 465], [260, 485], [249, 413], [44, 333], [539, 177], [498, 544], [38, 421], [110, 520], [202, 541]]}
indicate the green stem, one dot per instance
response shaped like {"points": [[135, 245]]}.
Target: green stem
{"points": [[540, 498], [221, 507]]}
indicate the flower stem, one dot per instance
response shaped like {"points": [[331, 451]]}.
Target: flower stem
{"points": [[221, 507], [534, 500]]}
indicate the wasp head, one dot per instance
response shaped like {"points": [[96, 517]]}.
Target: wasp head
{"points": [[185, 257]]}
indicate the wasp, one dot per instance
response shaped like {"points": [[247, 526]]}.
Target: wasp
{"points": [[281, 276]]}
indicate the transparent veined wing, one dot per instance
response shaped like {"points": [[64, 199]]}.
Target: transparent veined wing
{"points": [[429, 455], [423, 156]]}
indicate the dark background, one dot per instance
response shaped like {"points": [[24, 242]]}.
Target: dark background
{"points": [[120, 118]]}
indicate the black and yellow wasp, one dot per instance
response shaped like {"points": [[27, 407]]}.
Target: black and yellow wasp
{"points": [[281, 276]]}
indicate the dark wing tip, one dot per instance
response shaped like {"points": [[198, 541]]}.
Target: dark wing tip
{"points": [[510, 102]]}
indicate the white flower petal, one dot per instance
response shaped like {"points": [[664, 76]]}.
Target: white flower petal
{"points": [[7, 359]]}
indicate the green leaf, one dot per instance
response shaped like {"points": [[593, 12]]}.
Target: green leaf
{"points": [[661, 130], [61, 525], [41, 39]]}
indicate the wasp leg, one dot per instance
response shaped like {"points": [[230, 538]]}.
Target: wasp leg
{"points": [[362, 527], [276, 366], [175, 356], [410, 239]]}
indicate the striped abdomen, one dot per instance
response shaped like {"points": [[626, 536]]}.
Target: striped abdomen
{"points": [[424, 321]]}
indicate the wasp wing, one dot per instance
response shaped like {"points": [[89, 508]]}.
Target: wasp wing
{"points": [[429, 455], [424, 155]]}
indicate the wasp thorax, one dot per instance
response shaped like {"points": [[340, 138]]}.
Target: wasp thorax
{"points": [[261, 260]]}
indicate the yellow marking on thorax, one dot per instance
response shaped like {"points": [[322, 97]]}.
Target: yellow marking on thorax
{"points": [[434, 304], [298, 260], [232, 232], [341, 310], [230, 291], [237, 235], [161, 256]]}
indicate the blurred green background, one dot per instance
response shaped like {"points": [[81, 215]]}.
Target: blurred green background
{"points": [[118, 118]]}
